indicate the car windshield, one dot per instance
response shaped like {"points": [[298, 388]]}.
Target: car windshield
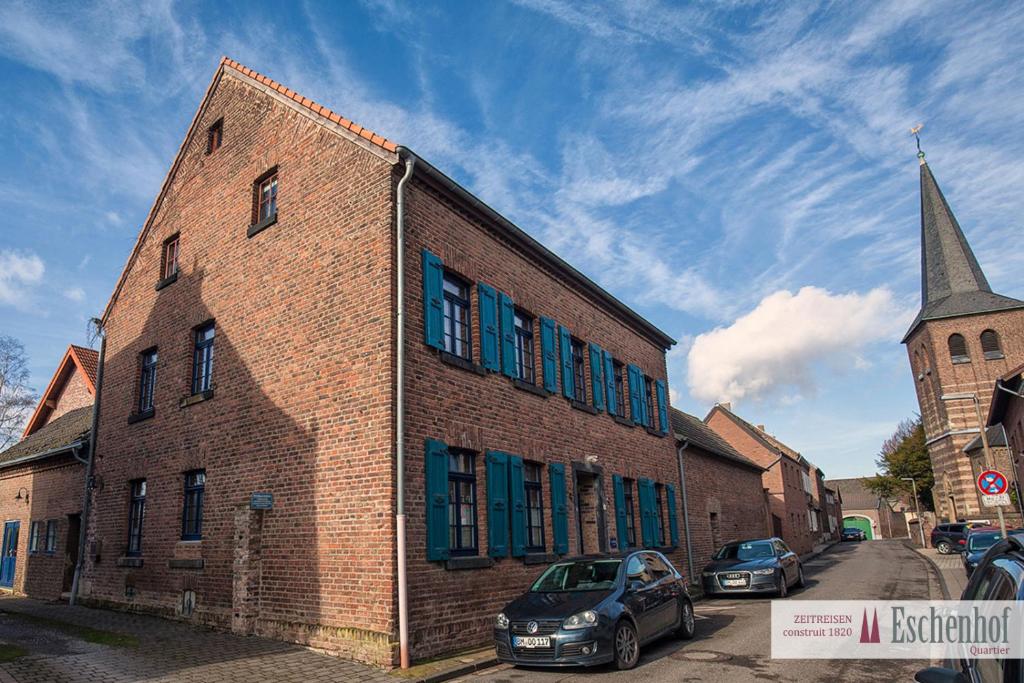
{"points": [[755, 550], [982, 540], [580, 575], [851, 530]]}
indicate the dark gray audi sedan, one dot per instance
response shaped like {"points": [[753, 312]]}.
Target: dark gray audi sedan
{"points": [[764, 565], [594, 610]]}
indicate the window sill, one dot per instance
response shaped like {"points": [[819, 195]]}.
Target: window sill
{"points": [[994, 355], [529, 388], [186, 564], [655, 432], [460, 362], [130, 562], [623, 421], [257, 228], [139, 417], [469, 563], [539, 558], [961, 361], [195, 398], [585, 407], [169, 280]]}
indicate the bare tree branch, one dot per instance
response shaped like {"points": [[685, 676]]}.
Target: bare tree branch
{"points": [[16, 397]]}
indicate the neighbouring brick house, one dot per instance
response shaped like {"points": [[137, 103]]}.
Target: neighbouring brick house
{"points": [[878, 517], [964, 339], [42, 483], [824, 507], [786, 478], [1006, 428], [725, 498], [834, 511], [251, 349]]}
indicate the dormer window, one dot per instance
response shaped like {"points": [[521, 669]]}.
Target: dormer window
{"points": [[215, 136], [990, 345], [958, 349]]}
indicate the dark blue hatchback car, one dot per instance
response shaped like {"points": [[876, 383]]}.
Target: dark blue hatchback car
{"points": [[595, 610]]}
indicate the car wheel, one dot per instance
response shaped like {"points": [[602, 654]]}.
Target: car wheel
{"points": [[687, 625], [944, 547], [800, 577], [627, 646], [783, 588]]}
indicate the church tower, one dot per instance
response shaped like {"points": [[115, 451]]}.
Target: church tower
{"points": [[964, 338]]}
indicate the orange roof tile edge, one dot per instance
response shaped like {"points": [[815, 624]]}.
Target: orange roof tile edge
{"points": [[312, 106], [72, 355]]}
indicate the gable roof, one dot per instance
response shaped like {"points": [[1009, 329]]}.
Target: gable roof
{"points": [[79, 358], [690, 428], [1007, 387], [391, 152], [952, 281], [855, 495], [759, 435], [57, 437]]}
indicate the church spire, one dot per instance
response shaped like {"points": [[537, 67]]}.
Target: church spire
{"points": [[952, 282]]}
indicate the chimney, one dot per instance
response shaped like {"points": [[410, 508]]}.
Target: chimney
{"points": [[727, 405], [760, 428]]}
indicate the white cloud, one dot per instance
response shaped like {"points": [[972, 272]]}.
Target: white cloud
{"points": [[777, 345], [18, 272], [75, 294]]}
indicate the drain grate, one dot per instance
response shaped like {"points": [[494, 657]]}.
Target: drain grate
{"points": [[702, 656]]}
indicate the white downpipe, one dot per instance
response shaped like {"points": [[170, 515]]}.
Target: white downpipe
{"points": [[403, 590]]}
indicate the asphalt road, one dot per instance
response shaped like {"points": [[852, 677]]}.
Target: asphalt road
{"points": [[732, 643]]}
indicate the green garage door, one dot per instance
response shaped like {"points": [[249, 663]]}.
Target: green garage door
{"points": [[861, 523]]}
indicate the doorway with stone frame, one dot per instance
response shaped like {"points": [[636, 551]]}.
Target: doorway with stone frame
{"points": [[588, 491]]}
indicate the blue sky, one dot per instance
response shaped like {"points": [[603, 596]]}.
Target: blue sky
{"points": [[741, 174]]}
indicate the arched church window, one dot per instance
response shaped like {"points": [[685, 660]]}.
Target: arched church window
{"points": [[958, 349], [990, 345]]}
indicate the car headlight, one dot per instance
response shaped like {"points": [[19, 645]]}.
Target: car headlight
{"points": [[581, 620], [764, 572], [501, 622]]}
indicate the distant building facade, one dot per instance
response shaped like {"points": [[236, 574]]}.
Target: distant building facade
{"points": [[864, 509]]}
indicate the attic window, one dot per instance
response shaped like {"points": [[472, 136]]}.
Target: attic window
{"points": [[990, 345], [215, 136], [264, 202], [958, 349], [169, 264]]}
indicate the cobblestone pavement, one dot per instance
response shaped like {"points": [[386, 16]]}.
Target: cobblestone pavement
{"points": [[166, 651]]}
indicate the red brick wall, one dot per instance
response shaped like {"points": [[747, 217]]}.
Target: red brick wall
{"points": [[301, 405], [74, 395], [935, 374], [733, 492], [786, 496], [450, 608], [55, 491]]}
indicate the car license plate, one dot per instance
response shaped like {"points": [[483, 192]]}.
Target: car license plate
{"points": [[733, 582], [530, 642]]}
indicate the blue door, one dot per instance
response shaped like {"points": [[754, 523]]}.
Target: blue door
{"points": [[8, 554]]}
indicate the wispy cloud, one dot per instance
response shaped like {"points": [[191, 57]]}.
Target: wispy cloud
{"points": [[19, 273]]}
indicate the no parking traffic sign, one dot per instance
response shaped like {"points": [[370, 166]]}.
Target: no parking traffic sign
{"points": [[992, 483]]}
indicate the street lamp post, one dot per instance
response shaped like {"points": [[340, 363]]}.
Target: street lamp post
{"points": [[917, 506], [971, 396]]}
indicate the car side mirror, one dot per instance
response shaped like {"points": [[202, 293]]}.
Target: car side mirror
{"points": [[937, 674]]}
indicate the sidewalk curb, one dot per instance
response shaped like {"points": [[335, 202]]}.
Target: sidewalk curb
{"points": [[455, 673], [937, 570]]}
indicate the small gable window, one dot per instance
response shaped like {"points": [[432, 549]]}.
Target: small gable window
{"points": [[169, 262], [990, 345], [958, 349], [215, 136], [264, 202], [147, 380], [202, 359]]}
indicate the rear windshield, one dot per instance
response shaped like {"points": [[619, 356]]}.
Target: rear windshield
{"points": [[580, 575], [982, 540], [755, 550], [851, 529]]}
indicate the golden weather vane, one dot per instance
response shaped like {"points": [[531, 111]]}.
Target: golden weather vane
{"points": [[916, 132]]}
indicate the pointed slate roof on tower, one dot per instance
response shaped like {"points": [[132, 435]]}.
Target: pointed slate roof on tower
{"points": [[952, 282]]}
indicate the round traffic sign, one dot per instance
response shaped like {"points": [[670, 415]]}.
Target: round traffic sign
{"points": [[992, 483]]}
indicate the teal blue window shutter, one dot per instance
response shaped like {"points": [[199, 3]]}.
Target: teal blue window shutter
{"points": [[549, 358], [565, 348], [648, 520], [609, 383], [636, 381], [597, 376], [559, 511], [433, 300], [517, 504], [488, 301], [659, 387], [621, 523], [507, 315], [437, 500], [673, 526], [497, 504]]}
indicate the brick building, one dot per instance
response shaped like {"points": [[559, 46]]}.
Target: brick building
{"points": [[252, 348], [724, 496], [964, 338], [42, 483], [1006, 431], [786, 477], [864, 509]]}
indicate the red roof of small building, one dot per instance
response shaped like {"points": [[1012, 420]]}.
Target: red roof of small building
{"points": [[83, 359]]}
